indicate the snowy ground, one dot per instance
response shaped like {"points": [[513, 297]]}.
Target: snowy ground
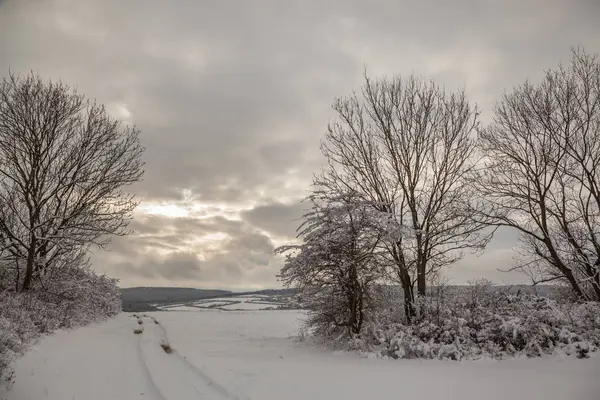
{"points": [[252, 355], [243, 302]]}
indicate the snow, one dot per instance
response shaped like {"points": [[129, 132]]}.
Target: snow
{"points": [[242, 302], [212, 303], [169, 306], [247, 306], [182, 308], [253, 355], [250, 304]]}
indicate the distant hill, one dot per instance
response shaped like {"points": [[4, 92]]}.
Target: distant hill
{"points": [[140, 298]]}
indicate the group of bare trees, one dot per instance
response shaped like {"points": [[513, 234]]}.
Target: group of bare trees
{"points": [[64, 164], [415, 152]]}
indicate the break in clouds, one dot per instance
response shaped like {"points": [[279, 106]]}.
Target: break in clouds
{"points": [[232, 100]]}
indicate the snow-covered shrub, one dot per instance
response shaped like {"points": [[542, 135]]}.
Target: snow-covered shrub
{"points": [[17, 329], [477, 322], [561, 293], [77, 296], [69, 298]]}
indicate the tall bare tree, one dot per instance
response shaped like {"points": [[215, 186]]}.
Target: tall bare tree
{"points": [[542, 173], [406, 146], [64, 164]]}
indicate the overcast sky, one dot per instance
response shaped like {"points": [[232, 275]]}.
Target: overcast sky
{"points": [[232, 98]]}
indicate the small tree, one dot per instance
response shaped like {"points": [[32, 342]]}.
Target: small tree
{"points": [[541, 174], [64, 164], [336, 267], [406, 146]]}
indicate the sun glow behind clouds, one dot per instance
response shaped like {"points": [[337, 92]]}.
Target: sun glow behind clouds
{"points": [[190, 207], [191, 210], [202, 242], [167, 210], [212, 237]]}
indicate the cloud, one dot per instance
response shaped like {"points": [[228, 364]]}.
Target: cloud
{"points": [[209, 252], [276, 218], [233, 101], [176, 265]]}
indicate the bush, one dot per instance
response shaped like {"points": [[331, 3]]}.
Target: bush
{"points": [[69, 298], [479, 322]]}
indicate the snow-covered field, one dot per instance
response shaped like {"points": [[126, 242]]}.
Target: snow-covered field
{"points": [[253, 355], [242, 302]]}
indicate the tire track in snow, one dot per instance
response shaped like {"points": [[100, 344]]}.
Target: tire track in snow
{"points": [[226, 394], [147, 375], [174, 377]]}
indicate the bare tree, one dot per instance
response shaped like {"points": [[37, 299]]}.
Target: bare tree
{"points": [[406, 146], [542, 173], [337, 265], [64, 163]]}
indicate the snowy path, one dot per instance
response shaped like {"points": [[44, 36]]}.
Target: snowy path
{"points": [[107, 361], [101, 361], [173, 376], [249, 355]]}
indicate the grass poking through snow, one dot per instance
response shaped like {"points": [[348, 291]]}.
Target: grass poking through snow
{"points": [[166, 347]]}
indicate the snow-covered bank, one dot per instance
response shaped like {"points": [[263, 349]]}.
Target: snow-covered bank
{"points": [[252, 355]]}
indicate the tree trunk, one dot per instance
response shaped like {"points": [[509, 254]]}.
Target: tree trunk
{"points": [[30, 264], [405, 281], [353, 300], [409, 307], [18, 275], [596, 284], [595, 278], [421, 259], [409, 296], [566, 271], [421, 277], [361, 314]]}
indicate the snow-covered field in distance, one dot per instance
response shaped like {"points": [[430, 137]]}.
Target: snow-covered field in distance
{"points": [[229, 303], [254, 355]]}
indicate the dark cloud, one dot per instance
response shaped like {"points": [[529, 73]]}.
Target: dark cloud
{"points": [[176, 265], [276, 218], [232, 101], [175, 249], [208, 85]]}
